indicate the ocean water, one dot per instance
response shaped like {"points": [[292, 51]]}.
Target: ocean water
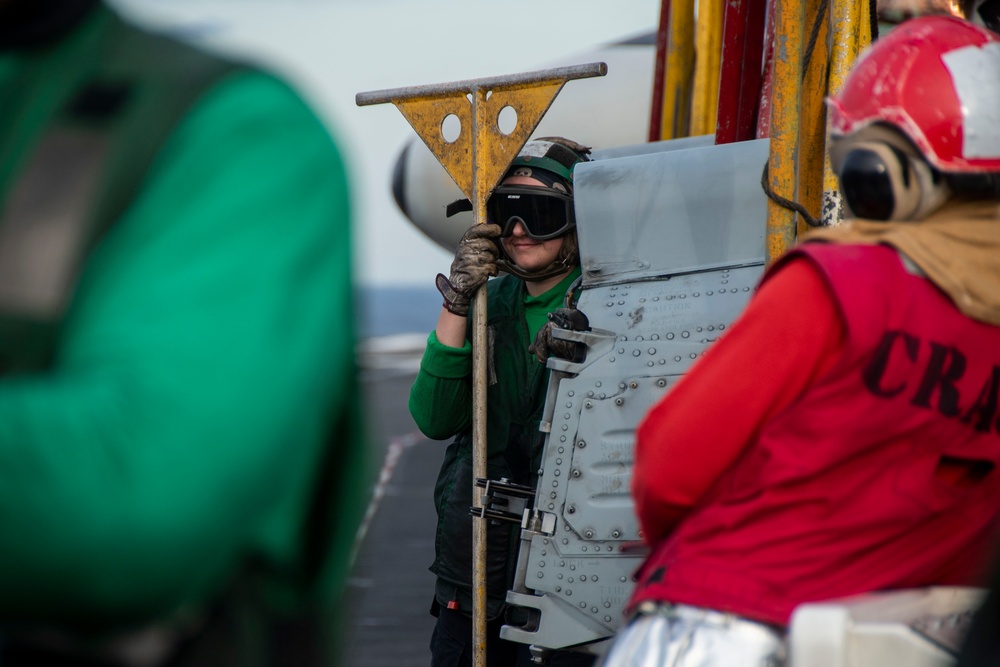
{"points": [[396, 310]]}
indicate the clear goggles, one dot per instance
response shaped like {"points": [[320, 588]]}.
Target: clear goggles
{"points": [[544, 213]]}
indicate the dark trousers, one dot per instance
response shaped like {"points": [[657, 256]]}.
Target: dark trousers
{"points": [[451, 646]]}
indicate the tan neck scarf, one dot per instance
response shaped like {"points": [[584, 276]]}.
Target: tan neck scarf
{"points": [[957, 247]]}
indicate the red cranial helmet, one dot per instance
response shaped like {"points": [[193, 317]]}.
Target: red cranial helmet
{"points": [[935, 79]]}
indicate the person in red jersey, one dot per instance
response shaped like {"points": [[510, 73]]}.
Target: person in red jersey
{"points": [[843, 436]]}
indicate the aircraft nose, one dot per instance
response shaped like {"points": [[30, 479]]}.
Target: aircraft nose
{"points": [[399, 181]]}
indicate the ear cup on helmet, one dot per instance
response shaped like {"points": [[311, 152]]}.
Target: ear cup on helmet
{"points": [[882, 182]]}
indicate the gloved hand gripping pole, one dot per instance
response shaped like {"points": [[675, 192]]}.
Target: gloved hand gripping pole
{"points": [[476, 161]]}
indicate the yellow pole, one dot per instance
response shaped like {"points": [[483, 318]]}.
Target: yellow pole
{"points": [[786, 89], [708, 47], [678, 71], [851, 34], [812, 131]]}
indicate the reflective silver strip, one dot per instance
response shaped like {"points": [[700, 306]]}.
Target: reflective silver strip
{"points": [[43, 231], [973, 70]]}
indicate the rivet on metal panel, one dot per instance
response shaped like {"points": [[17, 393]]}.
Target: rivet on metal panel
{"points": [[696, 294], [581, 444], [558, 462], [685, 334], [619, 401], [652, 350], [571, 510], [571, 393], [594, 610], [661, 382], [588, 405], [670, 336], [576, 472], [607, 618], [540, 575], [636, 353], [633, 384], [583, 605], [616, 534]]}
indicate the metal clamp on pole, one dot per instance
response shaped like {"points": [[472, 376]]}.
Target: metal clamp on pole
{"points": [[502, 500], [476, 160]]}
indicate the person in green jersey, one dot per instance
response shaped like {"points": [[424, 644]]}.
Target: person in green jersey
{"points": [[530, 235], [180, 451]]}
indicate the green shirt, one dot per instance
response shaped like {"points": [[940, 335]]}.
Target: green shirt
{"points": [[205, 355]]}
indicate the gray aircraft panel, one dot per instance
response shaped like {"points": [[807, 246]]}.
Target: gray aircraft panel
{"points": [[676, 211], [667, 270]]}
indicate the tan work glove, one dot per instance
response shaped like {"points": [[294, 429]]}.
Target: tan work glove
{"points": [[475, 261]]}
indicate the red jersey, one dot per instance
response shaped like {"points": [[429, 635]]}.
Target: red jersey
{"points": [[876, 471]]}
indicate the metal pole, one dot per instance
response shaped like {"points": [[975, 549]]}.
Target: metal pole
{"points": [[851, 32], [812, 125], [679, 71], [708, 50], [786, 95]]}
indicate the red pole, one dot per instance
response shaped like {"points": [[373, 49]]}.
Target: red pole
{"points": [[764, 108], [742, 70], [659, 73]]}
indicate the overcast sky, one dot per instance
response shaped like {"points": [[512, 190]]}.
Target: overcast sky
{"points": [[334, 49]]}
